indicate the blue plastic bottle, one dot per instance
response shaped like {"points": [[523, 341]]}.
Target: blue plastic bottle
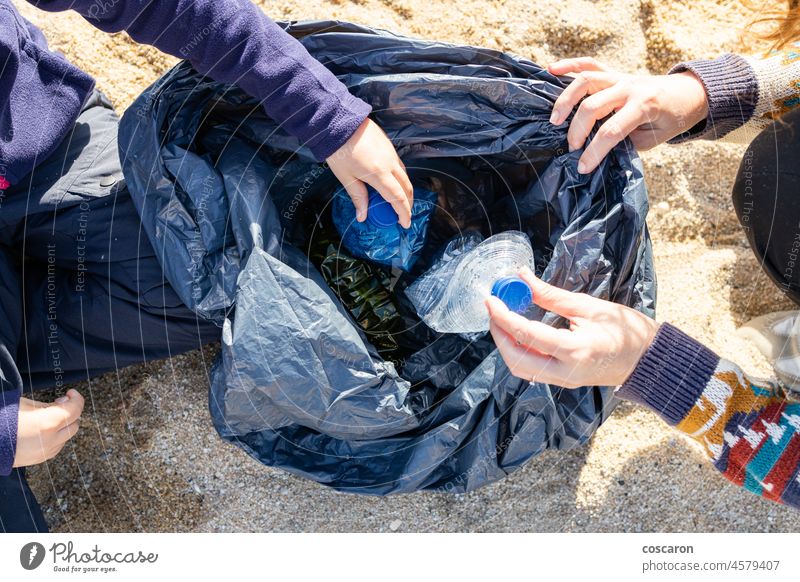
{"points": [[380, 238]]}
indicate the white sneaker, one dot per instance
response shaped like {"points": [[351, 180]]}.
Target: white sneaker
{"points": [[776, 335]]}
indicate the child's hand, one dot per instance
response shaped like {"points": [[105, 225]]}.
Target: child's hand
{"points": [[43, 429], [368, 156], [650, 109], [602, 347]]}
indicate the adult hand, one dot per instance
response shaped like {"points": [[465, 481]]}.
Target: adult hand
{"points": [[649, 109], [43, 429], [604, 343], [368, 157]]}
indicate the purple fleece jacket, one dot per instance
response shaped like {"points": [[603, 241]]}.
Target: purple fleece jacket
{"points": [[231, 41]]}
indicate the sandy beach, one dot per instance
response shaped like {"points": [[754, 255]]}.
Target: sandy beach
{"points": [[148, 459]]}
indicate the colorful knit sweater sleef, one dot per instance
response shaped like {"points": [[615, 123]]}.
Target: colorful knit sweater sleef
{"points": [[749, 428]]}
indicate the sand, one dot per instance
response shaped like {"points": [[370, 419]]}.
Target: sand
{"points": [[148, 459]]}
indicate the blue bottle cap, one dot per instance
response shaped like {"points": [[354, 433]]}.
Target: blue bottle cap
{"points": [[514, 292], [380, 213]]}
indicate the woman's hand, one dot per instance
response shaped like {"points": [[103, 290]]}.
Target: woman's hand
{"points": [[368, 157], [649, 109], [604, 343], [43, 429]]}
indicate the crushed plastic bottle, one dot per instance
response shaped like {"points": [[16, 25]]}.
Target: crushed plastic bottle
{"points": [[380, 238], [450, 296]]}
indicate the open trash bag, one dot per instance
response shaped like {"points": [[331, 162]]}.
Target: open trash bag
{"points": [[234, 207]]}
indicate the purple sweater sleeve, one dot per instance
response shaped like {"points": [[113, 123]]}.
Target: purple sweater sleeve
{"points": [[233, 41]]}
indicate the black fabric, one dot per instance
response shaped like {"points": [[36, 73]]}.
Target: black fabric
{"points": [[766, 196], [19, 510], [82, 291], [92, 295]]}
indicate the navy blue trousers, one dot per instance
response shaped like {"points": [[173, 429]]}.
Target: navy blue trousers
{"points": [[81, 290]]}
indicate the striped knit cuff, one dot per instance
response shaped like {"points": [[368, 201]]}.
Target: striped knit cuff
{"points": [[732, 89], [671, 375]]}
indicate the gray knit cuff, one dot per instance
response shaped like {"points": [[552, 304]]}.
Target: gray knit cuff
{"points": [[732, 89]]}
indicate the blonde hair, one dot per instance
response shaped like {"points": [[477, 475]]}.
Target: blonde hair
{"points": [[783, 23]]}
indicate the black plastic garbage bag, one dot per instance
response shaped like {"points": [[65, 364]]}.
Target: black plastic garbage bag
{"points": [[225, 196]]}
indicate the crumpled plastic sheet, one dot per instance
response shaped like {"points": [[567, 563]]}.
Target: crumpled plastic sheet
{"points": [[224, 193]]}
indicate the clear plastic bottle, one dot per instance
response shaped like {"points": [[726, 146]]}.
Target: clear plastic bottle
{"points": [[450, 296]]}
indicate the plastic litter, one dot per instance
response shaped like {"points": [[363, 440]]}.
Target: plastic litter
{"points": [[227, 200], [364, 290], [380, 238], [450, 296]]}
